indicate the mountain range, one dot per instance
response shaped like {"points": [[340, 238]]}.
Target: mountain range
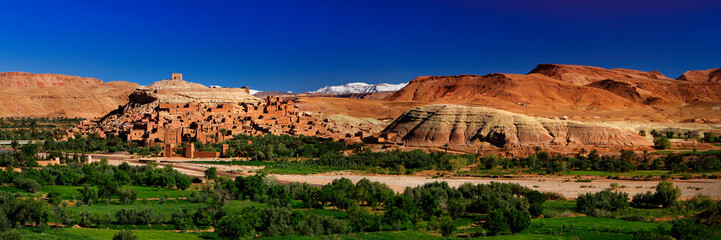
{"points": [[551, 90], [359, 87]]}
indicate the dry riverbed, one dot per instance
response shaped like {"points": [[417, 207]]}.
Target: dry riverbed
{"points": [[710, 187], [565, 185]]}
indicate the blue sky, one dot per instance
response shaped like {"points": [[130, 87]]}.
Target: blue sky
{"points": [[304, 45]]}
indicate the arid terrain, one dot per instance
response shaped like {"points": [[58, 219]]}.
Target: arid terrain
{"points": [[56, 95]]}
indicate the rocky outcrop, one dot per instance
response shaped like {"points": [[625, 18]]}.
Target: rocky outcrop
{"points": [[437, 125], [622, 89], [583, 75], [710, 75], [180, 91]]}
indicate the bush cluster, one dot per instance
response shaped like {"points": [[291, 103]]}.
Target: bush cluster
{"points": [[666, 195]]}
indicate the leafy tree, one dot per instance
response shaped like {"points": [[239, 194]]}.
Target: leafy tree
{"points": [[604, 200], [395, 217], [505, 221], [88, 194], [182, 182], [372, 193], [276, 221], [11, 235], [456, 208], [447, 226], [127, 196], [252, 187], [54, 198], [182, 220], [666, 194], [210, 173], [518, 220], [709, 137], [107, 187], [535, 200], [5, 223], [644, 200], [338, 193], [457, 163], [496, 222], [31, 185], [360, 219], [204, 216], [198, 197], [86, 219], [687, 230], [125, 235], [710, 214], [662, 143]]}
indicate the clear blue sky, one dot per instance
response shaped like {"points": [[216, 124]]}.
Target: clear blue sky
{"points": [[305, 45]]}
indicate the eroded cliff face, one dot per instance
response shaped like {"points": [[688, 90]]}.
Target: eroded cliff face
{"points": [[57, 95], [710, 75], [437, 125]]}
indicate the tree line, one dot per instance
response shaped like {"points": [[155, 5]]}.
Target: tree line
{"points": [[369, 206]]}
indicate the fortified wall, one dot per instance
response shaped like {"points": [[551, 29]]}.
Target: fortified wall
{"points": [[175, 123], [172, 112]]}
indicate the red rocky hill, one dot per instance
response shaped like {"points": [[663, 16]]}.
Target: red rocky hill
{"points": [[55, 95]]}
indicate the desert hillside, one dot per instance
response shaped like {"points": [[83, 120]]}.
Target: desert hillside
{"points": [[455, 125], [44, 80], [56, 95], [582, 92], [710, 75]]}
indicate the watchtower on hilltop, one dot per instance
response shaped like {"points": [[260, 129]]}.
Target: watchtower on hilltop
{"points": [[177, 76]]}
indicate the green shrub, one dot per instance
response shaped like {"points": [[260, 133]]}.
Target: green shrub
{"points": [[28, 184], [447, 226], [125, 235], [234, 227], [127, 196], [666, 194], [606, 200], [507, 221], [688, 230], [11, 235], [662, 143], [644, 200]]}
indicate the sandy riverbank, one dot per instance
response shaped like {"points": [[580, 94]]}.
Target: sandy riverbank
{"points": [[711, 187]]}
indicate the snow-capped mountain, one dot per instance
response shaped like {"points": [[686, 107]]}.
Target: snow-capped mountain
{"points": [[359, 87]]}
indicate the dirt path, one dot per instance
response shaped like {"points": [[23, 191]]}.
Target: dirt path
{"points": [[711, 187]]}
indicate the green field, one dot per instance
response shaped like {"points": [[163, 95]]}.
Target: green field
{"points": [[67, 192], [100, 234], [571, 227], [560, 221]]}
